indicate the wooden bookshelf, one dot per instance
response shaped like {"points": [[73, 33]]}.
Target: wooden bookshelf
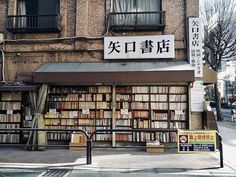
{"points": [[10, 116], [90, 108]]}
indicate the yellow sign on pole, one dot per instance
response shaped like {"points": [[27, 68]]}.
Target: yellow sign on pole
{"points": [[190, 141]]}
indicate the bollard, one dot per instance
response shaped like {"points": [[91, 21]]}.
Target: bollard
{"points": [[221, 152], [89, 151]]}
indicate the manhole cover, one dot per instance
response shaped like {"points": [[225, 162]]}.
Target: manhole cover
{"points": [[56, 173]]}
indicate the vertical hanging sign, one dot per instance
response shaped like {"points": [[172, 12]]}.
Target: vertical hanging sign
{"points": [[195, 46]]}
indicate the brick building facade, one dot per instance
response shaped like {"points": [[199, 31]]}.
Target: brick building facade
{"points": [[75, 33]]}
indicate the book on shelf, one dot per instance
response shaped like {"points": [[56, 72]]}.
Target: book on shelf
{"points": [[140, 114], [69, 122], [178, 98], [11, 96], [9, 125], [158, 97], [140, 123], [159, 89], [87, 105], [141, 136], [157, 124], [123, 114], [10, 118], [123, 137], [10, 105], [178, 115], [140, 89], [123, 122], [9, 138], [124, 89], [139, 105], [178, 125], [103, 105], [123, 105], [103, 122], [178, 106], [52, 122], [159, 116], [88, 122], [140, 97], [178, 89], [104, 89], [159, 106], [120, 97]]}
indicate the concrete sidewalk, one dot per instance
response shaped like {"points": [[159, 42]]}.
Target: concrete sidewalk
{"points": [[119, 160]]}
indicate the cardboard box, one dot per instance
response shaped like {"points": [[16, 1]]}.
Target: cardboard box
{"points": [[78, 142], [151, 147]]}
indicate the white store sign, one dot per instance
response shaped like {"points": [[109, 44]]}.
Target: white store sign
{"points": [[195, 46], [138, 47]]}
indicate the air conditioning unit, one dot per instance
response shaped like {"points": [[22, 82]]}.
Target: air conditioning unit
{"points": [[1, 37]]}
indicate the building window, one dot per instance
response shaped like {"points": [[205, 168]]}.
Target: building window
{"points": [[137, 13], [35, 15]]}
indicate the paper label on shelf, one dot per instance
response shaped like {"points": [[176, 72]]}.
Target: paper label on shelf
{"points": [[85, 111], [124, 111], [9, 111]]}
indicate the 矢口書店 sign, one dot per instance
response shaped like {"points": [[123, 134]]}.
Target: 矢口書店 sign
{"points": [[196, 141], [139, 47]]}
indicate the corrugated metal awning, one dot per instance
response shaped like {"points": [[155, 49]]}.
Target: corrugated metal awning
{"points": [[129, 72]]}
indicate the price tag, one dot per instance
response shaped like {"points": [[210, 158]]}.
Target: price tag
{"points": [[9, 111]]}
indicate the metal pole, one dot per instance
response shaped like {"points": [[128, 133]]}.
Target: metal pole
{"points": [[221, 152], [89, 151]]}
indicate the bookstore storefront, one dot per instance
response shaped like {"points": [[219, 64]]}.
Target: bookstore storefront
{"points": [[15, 111], [105, 95]]}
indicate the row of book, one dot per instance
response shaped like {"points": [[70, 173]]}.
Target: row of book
{"points": [[156, 124], [139, 105], [103, 122], [123, 105], [140, 89], [123, 137], [159, 89], [10, 105], [9, 96], [120, 97], [58, 136], [10, 117], [140, 123], [9, 138], [178, 97], [159, 116], [80, 89], [178, 106], [9, 125], [178, 125], [108, 89], [178, 89], [162, 137], [123, 122], [159, 106], [123, 114]]}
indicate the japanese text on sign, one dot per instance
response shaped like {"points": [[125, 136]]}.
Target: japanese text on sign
{"points": [[196, 141], [134, 47], [195, 46]]}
